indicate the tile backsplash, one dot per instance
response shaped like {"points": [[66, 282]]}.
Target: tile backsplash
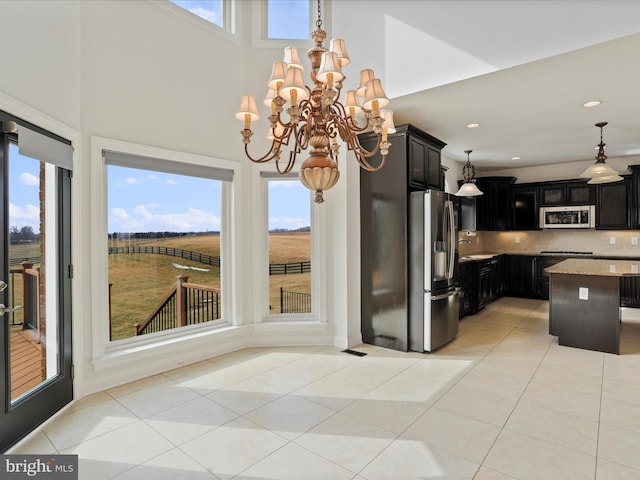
{"points": [[597, 241]]}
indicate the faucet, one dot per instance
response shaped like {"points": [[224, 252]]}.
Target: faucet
{"points": [[465, 240]]}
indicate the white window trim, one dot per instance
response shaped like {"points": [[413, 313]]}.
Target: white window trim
{"points": [[318, 291], [230, 13], [260, 32], [105, 352]]}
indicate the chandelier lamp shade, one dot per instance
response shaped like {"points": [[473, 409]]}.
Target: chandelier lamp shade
{"points": [[600, 172], [315, 117], [468, 188]]}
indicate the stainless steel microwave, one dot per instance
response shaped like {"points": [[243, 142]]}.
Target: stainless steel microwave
{"points": [[568, 217]]}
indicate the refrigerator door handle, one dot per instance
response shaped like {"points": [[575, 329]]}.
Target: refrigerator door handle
{"points": [[444, 295], [452, 238]]}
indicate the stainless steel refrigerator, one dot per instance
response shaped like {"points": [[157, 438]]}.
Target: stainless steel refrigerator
{"points": [[433, 263]]}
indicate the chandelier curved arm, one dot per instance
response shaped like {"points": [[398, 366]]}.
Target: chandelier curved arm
{"points": [[274, 152], [293, 154], [362, 153]]}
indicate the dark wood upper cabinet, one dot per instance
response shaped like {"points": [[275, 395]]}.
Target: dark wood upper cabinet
{"points": [[524, 204], [423, 158], [635, 195], [580, 194], [552, 195], [568, 192], [493, 208], [613, 205]]}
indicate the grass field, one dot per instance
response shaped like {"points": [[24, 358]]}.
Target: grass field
{"points": [[140, 281]]}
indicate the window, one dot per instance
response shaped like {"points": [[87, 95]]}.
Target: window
{"points": [[210, 10], [288, 19], [205, 13], [289, 244], [165, 245], [279, 23]]}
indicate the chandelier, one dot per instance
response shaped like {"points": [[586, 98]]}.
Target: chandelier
{"points": [[468, 188], [600, 172], [315, 116]]}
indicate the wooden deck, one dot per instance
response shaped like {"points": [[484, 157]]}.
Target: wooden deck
{"points": [[26, 361]]}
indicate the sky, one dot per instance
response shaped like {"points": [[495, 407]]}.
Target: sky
{"points": [[285, 18], [146, 201]]}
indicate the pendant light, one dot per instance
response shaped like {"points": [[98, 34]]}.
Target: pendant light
{"points": [[468, 188], [600, 172]]}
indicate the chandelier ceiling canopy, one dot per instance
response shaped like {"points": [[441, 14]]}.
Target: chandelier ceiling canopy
{"points": [[316, 116]]}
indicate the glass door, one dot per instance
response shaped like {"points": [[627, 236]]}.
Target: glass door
{"points": [[35, 306]]}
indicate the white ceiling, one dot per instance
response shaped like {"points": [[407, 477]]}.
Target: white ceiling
{"points": [[522, 69]]}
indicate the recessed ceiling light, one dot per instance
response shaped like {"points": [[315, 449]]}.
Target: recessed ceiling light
{"points": [[515, 158], [593, 103], [473, 125]]}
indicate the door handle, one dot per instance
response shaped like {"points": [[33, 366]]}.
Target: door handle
{"points": [[444, 295], [4, 309], [3, 285]]}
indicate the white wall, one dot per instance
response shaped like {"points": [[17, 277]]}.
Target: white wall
{"points": [[41, 57]]}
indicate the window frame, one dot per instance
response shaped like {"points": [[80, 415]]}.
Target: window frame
{"points": [[318, 292], [230, 15], [260, 26], [104, 349]]}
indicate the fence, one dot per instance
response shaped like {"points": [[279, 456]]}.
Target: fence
{"points": [[170, 251], [186, 304], [274, 268], [288, 268], [294, 302]]}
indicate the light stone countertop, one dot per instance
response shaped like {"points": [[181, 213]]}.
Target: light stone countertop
{"points": [[586, 266]]}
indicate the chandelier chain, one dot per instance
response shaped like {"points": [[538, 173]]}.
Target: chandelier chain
{"points": [[319, 20]]}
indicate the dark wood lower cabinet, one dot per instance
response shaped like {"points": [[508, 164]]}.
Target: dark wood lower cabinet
{"points": [[630, 292], [468, 293], [522, 276]]}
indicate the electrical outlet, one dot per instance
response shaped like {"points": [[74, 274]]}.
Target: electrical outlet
{"points": [[583, 293], [612, 240], [634, 268], [517, 239], [634, 240]]}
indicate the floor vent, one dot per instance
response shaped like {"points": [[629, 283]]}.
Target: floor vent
{"points": [[353, 352]]}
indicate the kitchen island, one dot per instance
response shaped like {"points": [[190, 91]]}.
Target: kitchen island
{"points": [[584, 302]]}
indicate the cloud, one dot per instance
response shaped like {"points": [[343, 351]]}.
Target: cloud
{"points": [[142, 211], [26, 213], [208, 15], [170, 181], [289, 223], [131, 181], [28, 179], [141, 219]]}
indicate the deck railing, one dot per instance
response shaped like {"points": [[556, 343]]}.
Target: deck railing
{"points": [[294, 302], [186, 304]]}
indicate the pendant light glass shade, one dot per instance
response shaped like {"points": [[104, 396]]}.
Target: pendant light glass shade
{"points": [[600, 172], [468, 188], [605, 179]]}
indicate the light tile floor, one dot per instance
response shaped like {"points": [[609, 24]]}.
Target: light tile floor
{"points": [[502, 401]]}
